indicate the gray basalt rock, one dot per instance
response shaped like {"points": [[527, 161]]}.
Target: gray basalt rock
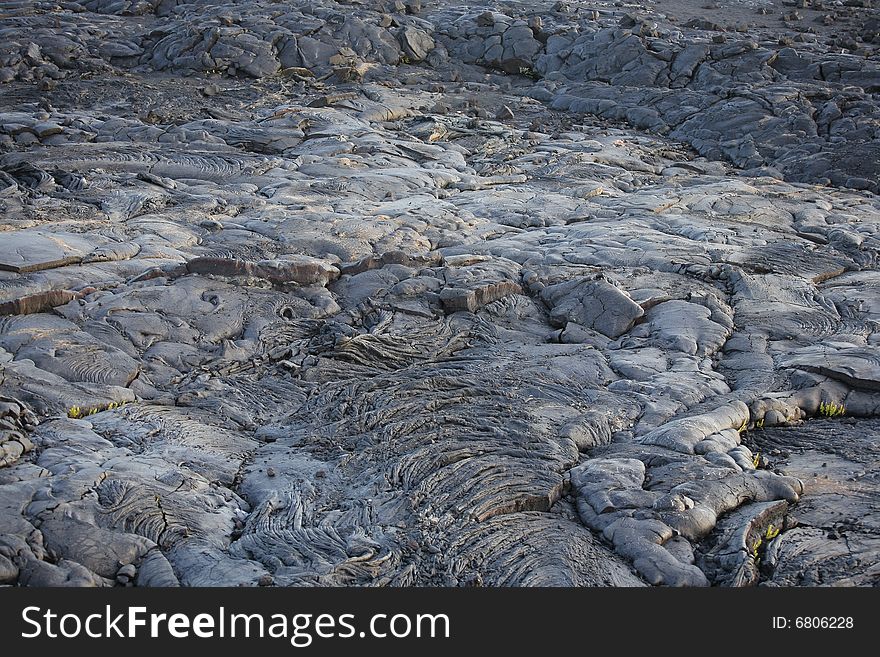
{"points": [[301, 270], [364, 294], [416, 43], [26, 252], [596, 304], [16, 421]]}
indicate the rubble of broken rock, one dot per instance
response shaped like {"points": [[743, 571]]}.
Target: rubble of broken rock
{"points": [[383, 293]]}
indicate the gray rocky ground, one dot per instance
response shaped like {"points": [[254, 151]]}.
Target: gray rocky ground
{"points": [[376, 293]]}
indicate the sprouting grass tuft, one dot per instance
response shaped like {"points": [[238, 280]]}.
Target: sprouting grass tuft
{"points": [[831, 409], [77, 412]]}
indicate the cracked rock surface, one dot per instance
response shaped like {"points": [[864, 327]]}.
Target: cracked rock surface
{"points": [[383, 293]]}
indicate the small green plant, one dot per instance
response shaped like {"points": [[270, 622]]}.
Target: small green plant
{"points": [[760, 423], [528, 72], [831, 409], [772, 532], [756, 461], [743, 426], [755, 548], [76, 412]]}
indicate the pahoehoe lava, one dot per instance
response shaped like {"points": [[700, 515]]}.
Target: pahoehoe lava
{"points": [[371, 292]]}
